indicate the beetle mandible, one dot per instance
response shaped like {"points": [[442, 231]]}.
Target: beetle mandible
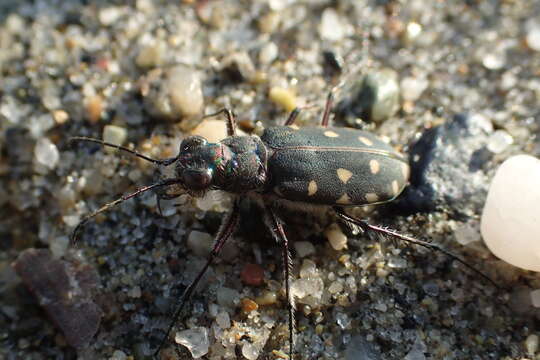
{"points": [[286, 166]]}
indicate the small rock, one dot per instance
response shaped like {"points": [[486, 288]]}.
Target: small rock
{"points": [[249, 351], [336, 237], [223, 320], [115, 135], [533, 38], [531, 344], [94, 106], [228, 297], [64, 290], [152, 55], [252, 274], [118, 355], [195, 340], [46, 153], [200, 243], [499, 141], [510, 223], [332, 26], [268, 53], [109, 15], [304, 248], [535, 298], [360, 348], [412, 88], [267, 298], [468, 233], [283, 97], [249, 305], [375, 97], [173, 93], [269, 23]]}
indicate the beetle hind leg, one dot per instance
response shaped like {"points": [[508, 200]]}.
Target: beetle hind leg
{"points": [[365, 226]]}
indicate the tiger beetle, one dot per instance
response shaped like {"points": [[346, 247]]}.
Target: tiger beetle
{"points": [[285, 167]]}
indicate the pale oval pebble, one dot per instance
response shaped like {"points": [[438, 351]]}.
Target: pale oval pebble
{"points": [[511, 217]]}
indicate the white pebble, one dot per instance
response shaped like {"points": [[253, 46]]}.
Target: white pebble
{"points": [[268, 53], [46, 153], [59, 246], [412, 88], [212, 130], [223, 320], [107, 16], [499, 141], [304, 248], [533, 38], [250, 351], [467, 233], [196, 340], [114, 134], [118, 355], [510, 220], [331, 27]]}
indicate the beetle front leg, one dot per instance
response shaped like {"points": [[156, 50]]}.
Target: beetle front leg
{"points": [[227, 228], [275, 225], [327, 109], [231, 120]]}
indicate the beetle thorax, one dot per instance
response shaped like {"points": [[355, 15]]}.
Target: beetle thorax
{"points": [[237, 164]]}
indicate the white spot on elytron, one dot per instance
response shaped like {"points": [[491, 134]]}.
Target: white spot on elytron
{"points": [[331, 134], [372, 197], [365, 140], [395, 187], [344, 199], [294, 127], [312, 188], [344, 175], [374, 166], [405, 171]]}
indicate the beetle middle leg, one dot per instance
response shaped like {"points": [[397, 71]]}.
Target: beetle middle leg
{"points": [[275, 226], [231, 120], [228, 226]]}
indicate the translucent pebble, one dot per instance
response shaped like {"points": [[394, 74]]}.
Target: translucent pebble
{"points": [[114, 134], [304, 248], [309, 268], [336, 237], [468, 233], [223, 320], [510, 224], [227, 297], [151, 55], [250, 351], [343, 320], [331, 27], [195, 340], [46, 153], [307, 286], [200, 243], [397, 262], [499, 141], [59, 246], [335, 287]]}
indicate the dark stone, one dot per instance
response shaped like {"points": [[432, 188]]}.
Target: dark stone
{"points": [[360, 349], [63, 289], [446, 169]]}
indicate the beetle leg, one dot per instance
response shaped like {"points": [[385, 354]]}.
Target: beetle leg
{"points": [[292, 116], [276, 228], [231, 120], [227, 228], [327, 108], [394, 234]]}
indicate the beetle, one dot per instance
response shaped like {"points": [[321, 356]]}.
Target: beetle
{"points": [[287, 166]]}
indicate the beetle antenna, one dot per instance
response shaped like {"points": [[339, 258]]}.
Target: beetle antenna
{"points": [[394, 234], [86, 218], [165, 162]]}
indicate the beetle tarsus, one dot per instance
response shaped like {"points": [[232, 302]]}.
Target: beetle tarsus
{"points": [[276, 228]]}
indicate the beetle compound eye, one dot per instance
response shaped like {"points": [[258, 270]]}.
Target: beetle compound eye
{"points": [[192, 142], [197, 179]]}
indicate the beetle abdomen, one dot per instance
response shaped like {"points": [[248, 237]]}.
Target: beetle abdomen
{"points": [[333, 166]]}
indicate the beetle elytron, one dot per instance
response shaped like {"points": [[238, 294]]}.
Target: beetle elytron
{"points": [[287, 165]]}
